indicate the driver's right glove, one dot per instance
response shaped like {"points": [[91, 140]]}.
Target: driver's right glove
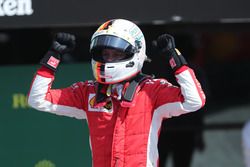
{"points": [[61, 44]]}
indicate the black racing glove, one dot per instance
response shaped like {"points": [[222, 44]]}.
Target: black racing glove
{"points": [[166, 46], [61, 44]]}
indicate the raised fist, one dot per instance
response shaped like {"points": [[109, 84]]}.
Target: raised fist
{"points": [[165, 44], [61, 44]]}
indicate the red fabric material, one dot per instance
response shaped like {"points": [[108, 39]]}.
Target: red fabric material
{"points": [[181, 69], [119, 136], [45, 72]]}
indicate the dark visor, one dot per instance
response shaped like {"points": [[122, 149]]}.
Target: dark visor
{"points": [[109, 41], [112, 42]]}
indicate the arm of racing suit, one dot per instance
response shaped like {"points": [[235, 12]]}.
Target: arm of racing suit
{"points": [[66, 101], [171, 100], [174, 101]]}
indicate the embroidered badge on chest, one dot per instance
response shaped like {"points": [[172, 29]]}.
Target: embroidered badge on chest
{"points": [[108, 107]]}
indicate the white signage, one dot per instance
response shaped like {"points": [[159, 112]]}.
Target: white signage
{"points": [[15, 7]]}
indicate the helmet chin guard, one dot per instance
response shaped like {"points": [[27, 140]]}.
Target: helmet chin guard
{"points": [[121, 35]]}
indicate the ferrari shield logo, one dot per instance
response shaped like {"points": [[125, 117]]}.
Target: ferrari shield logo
{"points": [[91, 101]]}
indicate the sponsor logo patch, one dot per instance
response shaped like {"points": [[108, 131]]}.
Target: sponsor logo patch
{"points": [[172, 62], [53, 62], [91, 101]]}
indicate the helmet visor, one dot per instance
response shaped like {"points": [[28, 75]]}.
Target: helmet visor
{"points": [[110, 42]]}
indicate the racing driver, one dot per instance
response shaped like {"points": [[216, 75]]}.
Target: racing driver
{"points": [[123, 107]]}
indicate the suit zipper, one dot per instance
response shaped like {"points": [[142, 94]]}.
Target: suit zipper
{"points": [[116, 162]]}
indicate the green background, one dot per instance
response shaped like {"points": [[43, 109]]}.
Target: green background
{"points": [[28, 136]]}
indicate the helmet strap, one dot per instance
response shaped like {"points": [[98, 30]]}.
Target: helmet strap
{"points": [[131, 89], [127, 97], [101, 95]]}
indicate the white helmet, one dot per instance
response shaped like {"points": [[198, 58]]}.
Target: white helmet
{"points": [[122, 35]]}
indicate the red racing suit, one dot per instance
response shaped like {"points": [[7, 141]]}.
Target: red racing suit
{"points": [[121, 135]]}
